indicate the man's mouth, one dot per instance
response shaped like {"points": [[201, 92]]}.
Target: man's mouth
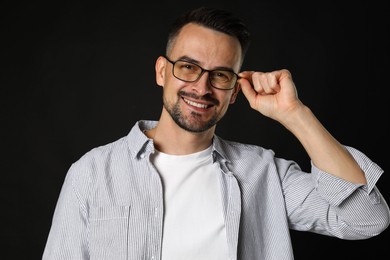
{"points": [[196, 104]]}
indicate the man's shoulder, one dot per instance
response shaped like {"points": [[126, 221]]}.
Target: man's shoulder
{"points": [[119, 146], [233, 148], [102, 152]]}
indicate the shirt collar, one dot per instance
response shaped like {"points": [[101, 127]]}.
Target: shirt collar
{"points": [[219, 150], [139, 143]]}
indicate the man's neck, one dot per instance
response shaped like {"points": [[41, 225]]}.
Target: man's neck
{"points": [[170, 138]]}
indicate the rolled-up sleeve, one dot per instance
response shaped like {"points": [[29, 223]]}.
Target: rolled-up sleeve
{"points": [[361, 208]]}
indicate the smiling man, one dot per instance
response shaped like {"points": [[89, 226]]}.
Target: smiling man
{"points": [[195, 99], [172, 189]]}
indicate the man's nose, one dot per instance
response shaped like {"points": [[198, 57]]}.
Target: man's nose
{"points": [[203, 84]]}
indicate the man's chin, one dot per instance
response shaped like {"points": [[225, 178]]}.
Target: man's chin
{"points": [[195, 127]]}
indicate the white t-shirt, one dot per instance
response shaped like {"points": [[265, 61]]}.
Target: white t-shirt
{"points": [[194, 226]]}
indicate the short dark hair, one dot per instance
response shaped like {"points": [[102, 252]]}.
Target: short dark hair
{"points": [[216, 19]]}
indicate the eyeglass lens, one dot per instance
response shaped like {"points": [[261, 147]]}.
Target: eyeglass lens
{"points": [[190, 72]]}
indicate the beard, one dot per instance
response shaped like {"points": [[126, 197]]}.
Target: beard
{"points": [[193, 122]]}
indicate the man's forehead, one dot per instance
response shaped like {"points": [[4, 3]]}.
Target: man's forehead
{"points": [[207, 47]]}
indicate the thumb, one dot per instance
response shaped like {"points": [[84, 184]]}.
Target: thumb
{"points": [[248, 91]]}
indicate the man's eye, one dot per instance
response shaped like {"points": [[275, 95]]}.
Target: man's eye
{"points": [[188, 66], [221, 75]]}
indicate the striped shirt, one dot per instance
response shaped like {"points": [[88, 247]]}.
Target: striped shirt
{"points": [[111, 204]]}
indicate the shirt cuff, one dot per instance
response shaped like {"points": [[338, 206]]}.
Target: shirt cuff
{"points": [[335, 190]]}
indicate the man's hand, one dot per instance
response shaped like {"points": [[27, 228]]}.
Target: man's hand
{"points": [[273, 94]]}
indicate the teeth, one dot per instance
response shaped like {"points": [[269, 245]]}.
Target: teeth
{"points": [[192, 103]]}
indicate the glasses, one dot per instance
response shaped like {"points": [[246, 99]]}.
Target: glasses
{"points": [[190, 72]]}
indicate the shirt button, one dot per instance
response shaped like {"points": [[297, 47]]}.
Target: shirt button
{"points": [[142, 155]]}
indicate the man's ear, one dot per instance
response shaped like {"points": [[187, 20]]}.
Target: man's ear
{"points": [[236, 90], [160, 70]]}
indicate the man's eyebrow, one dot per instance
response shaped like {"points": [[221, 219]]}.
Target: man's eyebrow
{"points": [[186, 58]]}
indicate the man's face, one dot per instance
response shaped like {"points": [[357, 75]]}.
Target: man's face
{"points": [[197, 106]]}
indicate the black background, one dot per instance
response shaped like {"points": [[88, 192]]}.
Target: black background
{"points": [[78, 75]]}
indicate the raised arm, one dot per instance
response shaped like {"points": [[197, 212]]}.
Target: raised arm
{"points": [[274, 95]]}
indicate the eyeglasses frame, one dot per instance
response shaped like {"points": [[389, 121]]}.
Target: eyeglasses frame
{"points": [[201, 73]]}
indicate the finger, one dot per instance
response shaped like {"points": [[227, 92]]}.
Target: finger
{"points": [[266, 83], [247, 90], [246, 75], [255, 79]]}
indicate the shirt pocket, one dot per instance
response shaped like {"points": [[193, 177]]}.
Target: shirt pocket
{"points": [[108, 232]]}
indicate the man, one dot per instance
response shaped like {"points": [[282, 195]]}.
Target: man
{"points": [[172, 189]]}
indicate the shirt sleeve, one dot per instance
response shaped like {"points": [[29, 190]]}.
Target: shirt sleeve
{"points": [[335, 190], [67, 236], [343, 209]]}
